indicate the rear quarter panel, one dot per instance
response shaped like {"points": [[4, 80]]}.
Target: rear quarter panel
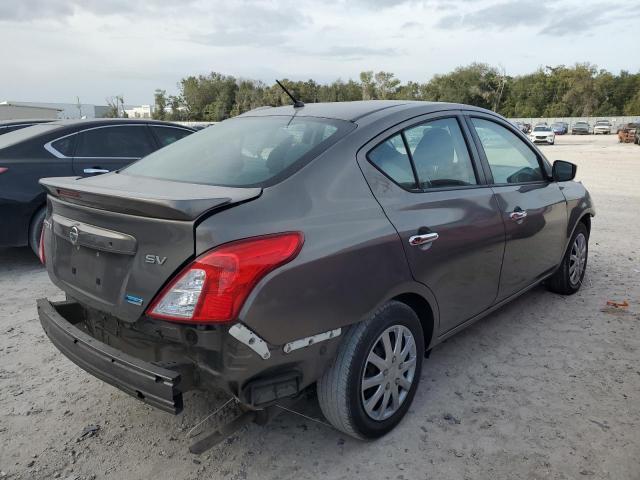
{"points": [[352, 259], [20, 194]]}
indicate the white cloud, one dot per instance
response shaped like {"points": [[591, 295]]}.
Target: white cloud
{"points": [[61, 49]]}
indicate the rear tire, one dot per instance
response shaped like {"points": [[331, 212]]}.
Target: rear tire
{"points": [[567, 280], [374, 377], [35, 229]]}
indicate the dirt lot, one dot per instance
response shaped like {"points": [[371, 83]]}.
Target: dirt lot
{"points": [[547, 387]]}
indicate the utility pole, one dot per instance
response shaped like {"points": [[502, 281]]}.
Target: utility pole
{"points": [[79, 106]]}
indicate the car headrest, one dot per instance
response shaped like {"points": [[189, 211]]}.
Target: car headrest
{"points": [[434, 149]]}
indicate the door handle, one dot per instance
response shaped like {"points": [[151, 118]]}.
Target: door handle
{"points": [[95, 170], [422, 239], [518, 215]]}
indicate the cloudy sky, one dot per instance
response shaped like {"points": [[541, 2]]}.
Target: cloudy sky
{"points": [[55, 50]]}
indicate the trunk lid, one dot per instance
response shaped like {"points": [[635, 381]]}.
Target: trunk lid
{"points": [[113, 241]]}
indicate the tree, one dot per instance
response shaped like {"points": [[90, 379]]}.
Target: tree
{"points": [[160, 110], [553, 91], [385, 85], [368, 85], [477, 84]]}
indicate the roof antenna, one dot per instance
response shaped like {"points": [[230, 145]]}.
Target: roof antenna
{"points": [[296, 103]]}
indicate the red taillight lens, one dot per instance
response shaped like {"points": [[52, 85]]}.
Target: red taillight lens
{"points": [[41, 254], [214, 287], [3, 169]]}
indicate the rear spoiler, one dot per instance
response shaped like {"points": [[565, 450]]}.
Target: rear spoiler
{"points": [[144, 196]]}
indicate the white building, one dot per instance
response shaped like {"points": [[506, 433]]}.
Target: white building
{"points": [[21, 110], [138, 111]]}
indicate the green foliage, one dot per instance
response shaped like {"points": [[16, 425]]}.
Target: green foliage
{"points": [[580, 90], [160, 112]]}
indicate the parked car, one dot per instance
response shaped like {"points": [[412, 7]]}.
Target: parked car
{"points": [[63, 148], [527, 128], [629, 133], [544, 134], [7, 126], [581, 128], [560, 128], [330, 244], [603, 127]]}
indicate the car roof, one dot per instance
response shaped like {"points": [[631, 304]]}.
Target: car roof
{"points": [[351, 111], [24, 121], [60, 128], [120, 121]]}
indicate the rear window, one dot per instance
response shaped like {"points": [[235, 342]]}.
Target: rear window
{"points": [[18, 136], [243, 152]]}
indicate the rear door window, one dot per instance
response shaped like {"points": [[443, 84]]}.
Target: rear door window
{"points": [[510, 159], [125, 141], [65, 146], [168, 135], [391, 158], [243, 151], [440, 154]]}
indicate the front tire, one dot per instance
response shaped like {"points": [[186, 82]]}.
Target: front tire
{"points": [[372, 382], [567, 280]]}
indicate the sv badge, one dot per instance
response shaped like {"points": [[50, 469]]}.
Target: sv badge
{"points": [[155, 259]]}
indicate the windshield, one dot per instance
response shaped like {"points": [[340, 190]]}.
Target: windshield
{"points": [[582, 124], [602, 123], [541, 129], [243, 151]]}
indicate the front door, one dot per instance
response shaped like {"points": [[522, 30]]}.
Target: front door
{"points": [[106, 148], [533, 207], [430, 188]]}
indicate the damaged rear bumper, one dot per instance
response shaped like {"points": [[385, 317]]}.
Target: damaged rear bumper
{"points": [[150, 383]]}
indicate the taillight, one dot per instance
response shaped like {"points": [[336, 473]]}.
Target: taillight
{"points": [[41, 254], [3, 169], [213, 288]]}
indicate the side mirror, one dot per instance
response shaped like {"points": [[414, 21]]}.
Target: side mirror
{"points": [[563, 171]]}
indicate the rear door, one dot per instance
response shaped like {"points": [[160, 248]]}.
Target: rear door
{"points": [[110, 147], [532, 206], [425, 175]]}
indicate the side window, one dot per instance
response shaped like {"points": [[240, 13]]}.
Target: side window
{"points": [[65, 145], [510, 159], [392, 159], [121, 141], [168, 135], [440, 154]]}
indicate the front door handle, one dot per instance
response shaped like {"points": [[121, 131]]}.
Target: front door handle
{"points": [[422, 239], [93, 171], [518, 215]]}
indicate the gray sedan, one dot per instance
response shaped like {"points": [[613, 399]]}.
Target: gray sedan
{"points": [[328, 244]]}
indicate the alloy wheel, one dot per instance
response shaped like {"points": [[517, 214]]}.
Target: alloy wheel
{"points": [[389, 372], [578, 258]]}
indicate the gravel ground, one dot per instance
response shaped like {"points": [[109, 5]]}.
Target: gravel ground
{"points": [[547, 387]]}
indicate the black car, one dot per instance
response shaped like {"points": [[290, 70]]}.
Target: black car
{"points": [[580, 128], [63, 148], [7, 126]]}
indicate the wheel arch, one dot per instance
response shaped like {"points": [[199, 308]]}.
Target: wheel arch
{"points": [[586, 220], [423, 310]]}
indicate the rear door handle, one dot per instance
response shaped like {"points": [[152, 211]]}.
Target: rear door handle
{"points": [[95, 170], [422, 239], [518, 215]]}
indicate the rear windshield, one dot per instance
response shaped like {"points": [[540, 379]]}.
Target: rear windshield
{"points": [[17, 136], [244, 151]]}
